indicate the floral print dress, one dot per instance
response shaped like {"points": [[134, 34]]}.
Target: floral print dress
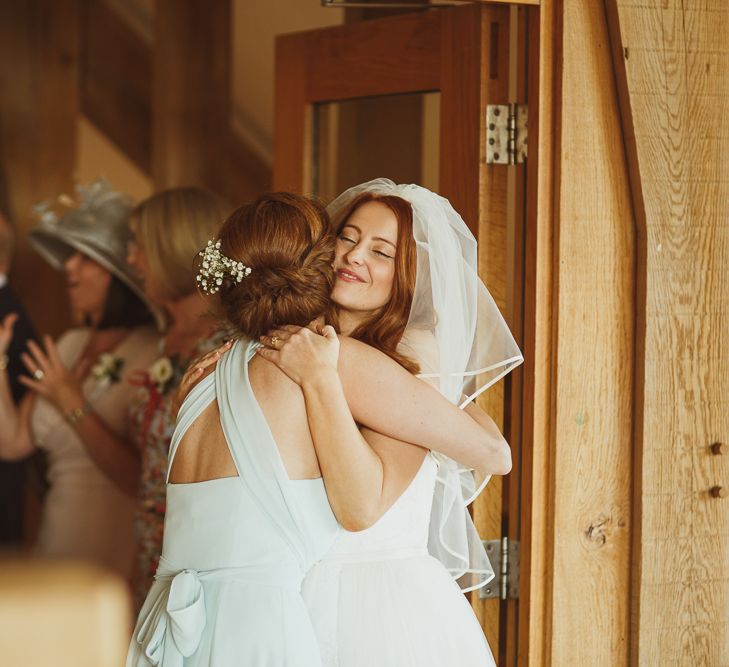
{"points": [[153, 422]]}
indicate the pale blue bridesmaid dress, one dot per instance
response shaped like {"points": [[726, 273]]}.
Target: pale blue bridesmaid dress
{"points": [[227, 591]]}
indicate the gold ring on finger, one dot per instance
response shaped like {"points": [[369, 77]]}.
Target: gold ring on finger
{"points": [[274, 341]]}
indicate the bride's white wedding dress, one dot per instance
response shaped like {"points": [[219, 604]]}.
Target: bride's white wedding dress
{"points": [[378, 599]]}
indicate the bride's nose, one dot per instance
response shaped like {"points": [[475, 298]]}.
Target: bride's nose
{"points": [[355, 256]]}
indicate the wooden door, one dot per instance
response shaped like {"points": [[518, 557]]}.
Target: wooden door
{"points": [[405, 98]]}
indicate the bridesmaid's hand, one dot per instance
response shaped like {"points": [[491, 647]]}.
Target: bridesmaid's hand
{"points": [[50, 378], [300, 352], [195, 371]]}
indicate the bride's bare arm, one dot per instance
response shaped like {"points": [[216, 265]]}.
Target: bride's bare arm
{"points": [[366, 387], [385, 397]]}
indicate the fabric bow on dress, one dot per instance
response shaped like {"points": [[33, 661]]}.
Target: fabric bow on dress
{"points": [[180, 611]]}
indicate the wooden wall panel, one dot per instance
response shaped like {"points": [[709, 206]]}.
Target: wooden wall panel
{"points": [[672, 60], [592, 363], [38, 106]]}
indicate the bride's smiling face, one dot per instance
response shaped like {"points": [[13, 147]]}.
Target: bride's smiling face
{"points": [[364, 262]]}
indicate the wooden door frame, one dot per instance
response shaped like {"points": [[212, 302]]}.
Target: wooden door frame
{"points": [[310, 67], [461, 52]]}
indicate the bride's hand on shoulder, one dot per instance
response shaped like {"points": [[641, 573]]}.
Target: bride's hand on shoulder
{"points": [[305, 355], [195, 372]]}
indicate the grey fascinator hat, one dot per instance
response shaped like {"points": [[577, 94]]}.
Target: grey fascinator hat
{"points": [[95, 224]]}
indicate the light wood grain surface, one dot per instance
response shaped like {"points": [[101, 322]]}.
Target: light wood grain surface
{"points": [[675, 57], [592, 392]]}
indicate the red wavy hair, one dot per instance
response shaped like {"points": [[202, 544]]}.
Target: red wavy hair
{"points": [[385, 328]]}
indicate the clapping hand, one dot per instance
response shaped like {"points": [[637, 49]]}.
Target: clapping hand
{"points": [[49, 377]]}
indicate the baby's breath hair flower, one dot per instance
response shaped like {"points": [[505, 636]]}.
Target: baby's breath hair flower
{"points": [[215, 267]]}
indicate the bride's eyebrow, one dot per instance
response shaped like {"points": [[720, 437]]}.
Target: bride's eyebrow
{"points": [[374, 238]]}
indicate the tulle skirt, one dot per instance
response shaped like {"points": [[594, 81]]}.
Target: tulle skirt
{"points": [[394, 612]]}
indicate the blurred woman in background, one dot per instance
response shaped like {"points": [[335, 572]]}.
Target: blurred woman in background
{"points": [[76, 409], [168, 229]]}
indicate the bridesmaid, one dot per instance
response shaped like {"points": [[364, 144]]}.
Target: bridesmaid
{"points": [[167, 231], [77, 404]]}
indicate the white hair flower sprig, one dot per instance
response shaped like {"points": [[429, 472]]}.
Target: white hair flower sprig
{"points": [[215, 266]]}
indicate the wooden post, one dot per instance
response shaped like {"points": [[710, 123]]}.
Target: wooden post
{"points": [[190, 91], [579, 439], [593, 355], [536, 566], [39, 104]]}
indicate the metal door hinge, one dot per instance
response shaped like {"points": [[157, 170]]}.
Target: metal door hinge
{"points": [[504, 555], [506, 133]]}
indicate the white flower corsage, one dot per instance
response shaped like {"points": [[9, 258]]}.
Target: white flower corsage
{"points": [[107, 369], [161, 372]]}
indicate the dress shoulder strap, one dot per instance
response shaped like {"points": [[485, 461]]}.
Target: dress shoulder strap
{"points": [[241, 418], [254, 450], [200, 396]]}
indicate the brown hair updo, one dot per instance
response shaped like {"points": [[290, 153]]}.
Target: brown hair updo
{"points": [[287, 242]]}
